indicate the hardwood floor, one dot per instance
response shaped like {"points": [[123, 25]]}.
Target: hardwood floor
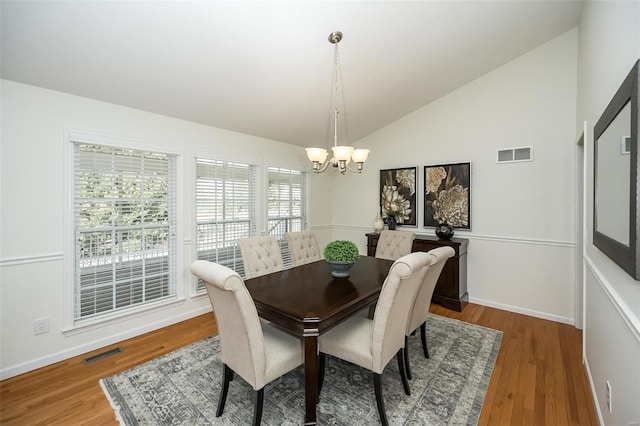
{"points": [[538, 378]]}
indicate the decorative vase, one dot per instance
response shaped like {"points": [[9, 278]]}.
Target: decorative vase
{"points": [[444, 231], [391, 222], [339, 269], [378, 224]]}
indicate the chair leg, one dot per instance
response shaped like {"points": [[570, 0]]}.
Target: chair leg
{"points": [[379, 401], [403, 372], [423, 336], [405, 351], [227, 376], [257, 407], [320, 374]]}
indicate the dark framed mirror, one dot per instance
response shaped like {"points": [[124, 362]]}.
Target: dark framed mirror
{"points": [[615, 178]]}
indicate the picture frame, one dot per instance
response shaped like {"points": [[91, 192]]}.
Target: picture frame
{"points": [[398, 193], [447, 195]]}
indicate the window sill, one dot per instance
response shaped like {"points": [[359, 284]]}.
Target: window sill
{"points": [[84, 326]]}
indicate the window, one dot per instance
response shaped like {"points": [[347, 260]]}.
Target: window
{"points": [[286, 205], [124, 228], [225, 211]]}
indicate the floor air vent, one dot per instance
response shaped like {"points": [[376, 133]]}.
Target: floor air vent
{"points": [[514, 155], [102, 355]]}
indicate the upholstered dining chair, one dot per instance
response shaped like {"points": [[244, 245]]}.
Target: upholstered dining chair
{"points": [[372, 344], [260, 255], [303, 246], [420, 310], [393, 245], [259, 353]]}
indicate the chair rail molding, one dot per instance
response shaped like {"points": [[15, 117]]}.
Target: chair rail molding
{"points": [[25, 260], [623, 309]]}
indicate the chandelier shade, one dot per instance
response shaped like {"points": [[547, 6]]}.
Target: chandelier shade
{"points": [[342, 154]]}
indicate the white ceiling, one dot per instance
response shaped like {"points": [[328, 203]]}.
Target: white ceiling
{"points": [[265, 68]]}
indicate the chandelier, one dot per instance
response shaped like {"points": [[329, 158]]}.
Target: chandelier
{"points": [[342, 154]]}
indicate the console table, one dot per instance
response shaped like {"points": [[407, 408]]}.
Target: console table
{"points": [[451, 289]]}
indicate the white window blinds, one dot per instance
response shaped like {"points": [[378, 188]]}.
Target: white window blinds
{"points": [[286, 205], [124, 228], [225, 211]]}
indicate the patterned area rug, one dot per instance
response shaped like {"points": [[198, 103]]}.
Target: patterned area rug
{"points": [[182, 387]]}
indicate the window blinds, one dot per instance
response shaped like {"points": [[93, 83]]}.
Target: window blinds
{"points": [[124, 227], [286, 205], [225, 211]]}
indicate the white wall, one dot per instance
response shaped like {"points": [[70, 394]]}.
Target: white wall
{"points": [[520, 218], [609, 45], [32, 247], [521, 249]]}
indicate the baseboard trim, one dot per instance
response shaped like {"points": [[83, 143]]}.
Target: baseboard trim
{"points": [[523, 311], [97, 344]]}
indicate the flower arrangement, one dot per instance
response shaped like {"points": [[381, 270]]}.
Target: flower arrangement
{"points": [[341, 251]]}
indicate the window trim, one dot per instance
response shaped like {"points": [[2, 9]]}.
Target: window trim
{"points": [[262, 165], [72, 136]]}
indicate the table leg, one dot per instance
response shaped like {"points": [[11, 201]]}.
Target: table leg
{"points": [[310, 377]]}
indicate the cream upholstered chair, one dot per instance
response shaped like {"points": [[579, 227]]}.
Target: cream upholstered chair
{"points": [[260, 255], [420, 309], [393, 245], [372, 344], [303, 247], [258, 353]]}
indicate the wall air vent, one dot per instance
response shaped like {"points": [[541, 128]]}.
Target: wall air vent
{"points": [[515, 155]]}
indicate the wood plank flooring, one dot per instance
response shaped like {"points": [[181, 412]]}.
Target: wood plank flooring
{"points": [[538, 378]]}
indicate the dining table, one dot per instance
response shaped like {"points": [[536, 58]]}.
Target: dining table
{"points": [[307, 300]]}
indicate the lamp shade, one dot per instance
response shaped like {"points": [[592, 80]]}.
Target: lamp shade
{"points": [[360, 155], [317, 154], [342, 152]]}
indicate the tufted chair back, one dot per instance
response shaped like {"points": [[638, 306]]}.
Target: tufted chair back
{"points": [[260, 255], [392, 245], [396, 298], [241, 338], [420, 310], [303, 247], [258, 353]]}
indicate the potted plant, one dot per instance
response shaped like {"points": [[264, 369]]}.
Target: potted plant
{"points": [[341, 255]]}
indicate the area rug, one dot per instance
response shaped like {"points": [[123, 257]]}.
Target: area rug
{"points": [[182, 387]]}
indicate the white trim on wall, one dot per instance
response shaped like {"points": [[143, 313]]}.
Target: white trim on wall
{"points": [[629, 318], [25, 260], [523, 311], [468, 235], [30, 365]]}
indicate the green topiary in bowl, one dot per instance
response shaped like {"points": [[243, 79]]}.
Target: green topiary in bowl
{"points": [[341, 255], [341, 251]]}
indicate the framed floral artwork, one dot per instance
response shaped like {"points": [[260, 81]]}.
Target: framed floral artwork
{"points": [[447, 191], [398, 195]]}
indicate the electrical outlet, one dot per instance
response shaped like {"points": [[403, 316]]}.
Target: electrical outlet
{"points": [[609, 397], [41, 326]]}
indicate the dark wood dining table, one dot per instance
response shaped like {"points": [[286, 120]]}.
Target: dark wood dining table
{"points": [[307, 301]]}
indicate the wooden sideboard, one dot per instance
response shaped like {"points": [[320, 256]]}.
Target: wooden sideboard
{"points": [[451, 289]]}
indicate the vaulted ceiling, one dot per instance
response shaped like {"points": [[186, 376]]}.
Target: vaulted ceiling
{"points": [[265, 68]]}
